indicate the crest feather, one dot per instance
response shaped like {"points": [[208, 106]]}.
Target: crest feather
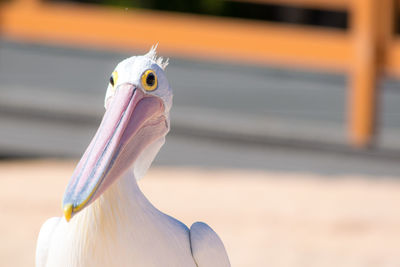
{"points": [[152, 55]]}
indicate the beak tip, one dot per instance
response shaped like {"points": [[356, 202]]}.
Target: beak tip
{"points": [[68, 211]]}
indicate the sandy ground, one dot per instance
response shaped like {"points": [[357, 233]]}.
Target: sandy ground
{"points": [[264, 218]]}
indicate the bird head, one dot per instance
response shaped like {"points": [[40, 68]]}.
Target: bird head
{"points": [[133, 129]]}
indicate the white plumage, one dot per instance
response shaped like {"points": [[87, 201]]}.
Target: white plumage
{"points": [[117, 225]]}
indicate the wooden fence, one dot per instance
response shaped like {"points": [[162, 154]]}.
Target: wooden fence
{"points": [[366, 51]]}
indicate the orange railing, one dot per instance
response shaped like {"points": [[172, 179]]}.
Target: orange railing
{"points": [[369, 48]]}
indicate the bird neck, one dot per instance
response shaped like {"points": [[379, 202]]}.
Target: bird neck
{"points": [[121, 205], [121, 214], [122, 198]]}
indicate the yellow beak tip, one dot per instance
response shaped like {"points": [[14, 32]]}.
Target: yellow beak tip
{"points": [[68, 211]]}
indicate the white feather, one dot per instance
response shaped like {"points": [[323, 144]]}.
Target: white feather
{"points": [[121, 228], [207, 248], [152, 55]]}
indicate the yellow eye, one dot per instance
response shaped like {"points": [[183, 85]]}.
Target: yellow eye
{"points": [[149, 80], [114, 78]]}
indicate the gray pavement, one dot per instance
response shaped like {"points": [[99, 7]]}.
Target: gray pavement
{"points": [[224, 115]]}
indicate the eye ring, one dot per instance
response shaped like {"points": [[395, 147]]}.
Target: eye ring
{"points": [[149, 80]]}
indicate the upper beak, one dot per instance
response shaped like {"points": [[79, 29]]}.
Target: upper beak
{"points": [[115, 145]]}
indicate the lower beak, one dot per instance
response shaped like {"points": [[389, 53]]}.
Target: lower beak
{"points": [[115, 146]]}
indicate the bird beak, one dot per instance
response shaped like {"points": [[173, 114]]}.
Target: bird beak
{"points": [[132, 121]]}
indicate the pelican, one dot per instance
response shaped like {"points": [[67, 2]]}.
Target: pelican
{"points": [[107, 219]]}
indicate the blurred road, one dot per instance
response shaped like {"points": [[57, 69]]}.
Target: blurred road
{"points": [[51, 102]]}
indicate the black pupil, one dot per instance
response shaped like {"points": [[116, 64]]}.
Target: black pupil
{"points": [[112, 80], [151, 79]]}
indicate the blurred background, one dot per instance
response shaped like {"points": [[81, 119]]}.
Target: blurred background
{"points": [[285, 126]]}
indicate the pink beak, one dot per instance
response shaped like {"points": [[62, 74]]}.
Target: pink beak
{"points": [[115, 146]]}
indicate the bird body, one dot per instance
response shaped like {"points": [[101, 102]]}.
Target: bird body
{"points": [[112, 223], [122, 228]]}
